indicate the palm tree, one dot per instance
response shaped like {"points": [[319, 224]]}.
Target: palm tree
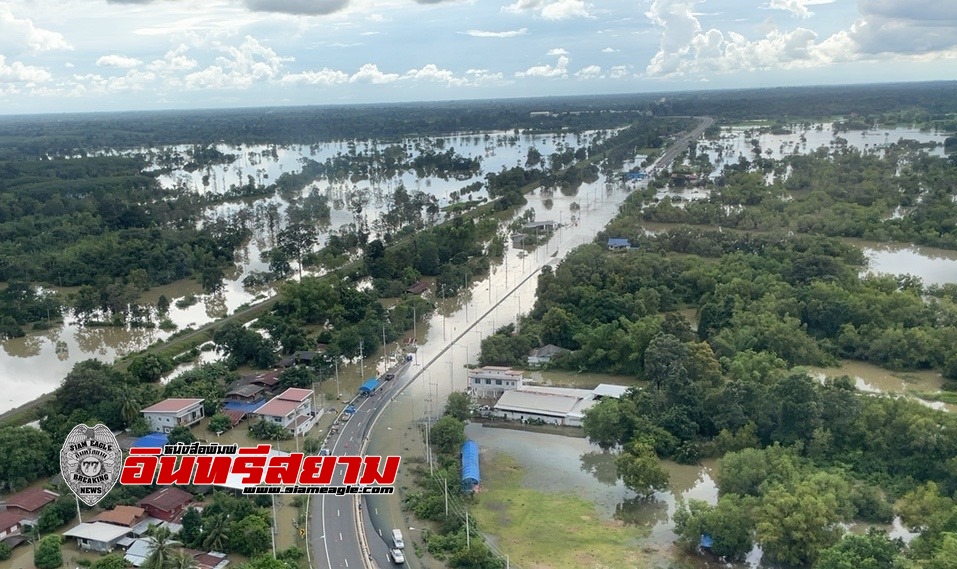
{"points": [[161, 549], [214, 533], [129, 406], [181, 560]]}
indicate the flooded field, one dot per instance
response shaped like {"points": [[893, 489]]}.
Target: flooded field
{"points": [[35, 365]]}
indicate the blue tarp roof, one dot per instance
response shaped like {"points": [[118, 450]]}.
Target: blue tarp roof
{"points": [[151, 440], [369, 386], [706, 541], [470, 464], [244, 407]]}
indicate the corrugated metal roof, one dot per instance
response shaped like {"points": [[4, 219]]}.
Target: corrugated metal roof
{"points": [[97, 531], [534, 402], [609, 390]]}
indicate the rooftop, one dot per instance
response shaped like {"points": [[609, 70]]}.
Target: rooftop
{"points": [[539, 403], [295, 394], [609, 390], [167, 499], [277, 408], [9, 519], [97, 531], [249, 390], [172, 405], [120, 515], [31, 499]]}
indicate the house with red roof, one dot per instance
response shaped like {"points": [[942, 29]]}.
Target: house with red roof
{"points": [[170, 413], [10, 523], [167, 504], [292, 409], [127, 516], [29, 502]]}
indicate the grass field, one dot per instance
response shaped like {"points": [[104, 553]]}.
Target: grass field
{"points": [[550, 531]]}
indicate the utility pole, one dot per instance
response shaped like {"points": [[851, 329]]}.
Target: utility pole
{"points": [[272, 530], [362, 367], [415, 336], [445, 482], [338, 391], [468, 532]]}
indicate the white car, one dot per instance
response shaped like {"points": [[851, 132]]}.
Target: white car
{"points": [[396, 556]]}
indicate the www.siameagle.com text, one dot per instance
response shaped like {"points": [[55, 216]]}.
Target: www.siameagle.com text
{"points": [[337, 490]]}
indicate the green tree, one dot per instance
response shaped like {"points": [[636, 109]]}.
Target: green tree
{"points": [[6, 551], [49, 554], [729, 523], [215, 531], [150, 368], [300, 377], [181, 434], [448, 435], [297, 239], [458, 405], [873, 550], [26, 454], [219, 423], [251, 535], [192, 533], [162, 546], [794, 525], [111, 561], [639, 468], [603, 423], [180, 559]]}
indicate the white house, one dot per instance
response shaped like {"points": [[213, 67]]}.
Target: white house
{"points": [[97, 536], [169, 413], [292, 409], [493, 381]]}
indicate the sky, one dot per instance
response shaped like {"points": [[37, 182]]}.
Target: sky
{"points": [[104, 55]]}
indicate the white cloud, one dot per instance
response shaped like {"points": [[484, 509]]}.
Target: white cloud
{"points": [[797, 8], [559, 70], [298, 7], [566, 9], [484, 77], [17, 72], [369, 73], [118, 61], [324, 76], [505, 34], [610, 50], [590, 72], [244, 65], [174, 60], [16, 33], [618, 72], [552, 10], [557, 51], [431, 72]]}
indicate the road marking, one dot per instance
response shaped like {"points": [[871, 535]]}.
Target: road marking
{"points": [[380, 532], [347, 562], [377, 511], [338, 513], [340, 536]]}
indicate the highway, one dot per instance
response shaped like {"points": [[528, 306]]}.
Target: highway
{"points": [[333, 531], [333, 536]]}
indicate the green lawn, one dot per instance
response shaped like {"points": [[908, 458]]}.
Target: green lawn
{"points": [[550, 531]]}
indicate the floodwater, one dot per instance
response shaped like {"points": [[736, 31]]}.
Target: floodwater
{"points": [[35, 365], [933, 266]]}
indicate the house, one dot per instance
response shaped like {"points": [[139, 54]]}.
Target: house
{"points": [[493, 381], [418, 288], [616, 244], [29, 502], [292, 409], [170, 413], [166, 504], [544, 354], [126, 516], [540, 226], [246, 393], [302, 357], [97, 536], [10, 524]]}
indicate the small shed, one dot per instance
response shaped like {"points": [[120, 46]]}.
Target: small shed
{"points": [[97, 536], [418, 288], [369, 387], [470, 466], [618, 244]]}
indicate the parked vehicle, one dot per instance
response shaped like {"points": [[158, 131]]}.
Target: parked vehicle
{"points": [[396, 556]]}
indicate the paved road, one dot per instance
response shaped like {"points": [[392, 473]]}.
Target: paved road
{"points": [[333, 536], [333, 528]]}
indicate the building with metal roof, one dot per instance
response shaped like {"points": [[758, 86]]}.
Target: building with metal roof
{"points": [[470, 466], [554, 405], [97, 536]]}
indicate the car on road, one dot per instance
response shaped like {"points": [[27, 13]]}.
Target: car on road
{"points": [[397, 556], [324, 452]]}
